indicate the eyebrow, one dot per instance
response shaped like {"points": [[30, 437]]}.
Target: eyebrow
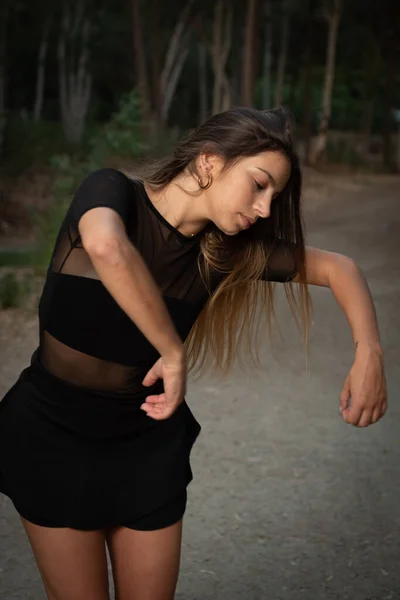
{"points": [[268, 173]]}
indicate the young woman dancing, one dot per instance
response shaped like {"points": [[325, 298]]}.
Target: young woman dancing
{"points": [[148, 276]]}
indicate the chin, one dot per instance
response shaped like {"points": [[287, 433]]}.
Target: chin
{"points": [[229, 230], [228, 227]]}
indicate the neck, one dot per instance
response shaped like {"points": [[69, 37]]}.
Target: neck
{"points": [[182, 203]]}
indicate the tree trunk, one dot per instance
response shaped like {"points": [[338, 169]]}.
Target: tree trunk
{"points": [[222, 39], [371, 69], [74, 79], [388, 154], [227, 93], [248, 65], [2, 106], [4, 12], [216, 52], [173, 81], [307, 98], [175, 58], [156, 99], [139, 56], [266, 88], [284, 41], [293, 83], [40, 74], [333, 19], [202, 83]]}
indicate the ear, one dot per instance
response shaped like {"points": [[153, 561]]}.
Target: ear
{"points": [[209, 163]]}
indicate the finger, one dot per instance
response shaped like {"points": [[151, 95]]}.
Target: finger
{"points": [[152, 411], [159, 411], [155, 410], [155, 399], [366, 419], [345, 396], [379, 411], [377, 414], [151, 378], [160, 415], [352, 415], [151, 406]]}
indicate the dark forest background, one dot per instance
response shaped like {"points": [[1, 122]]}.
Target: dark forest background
{"points": [[85, 83]]}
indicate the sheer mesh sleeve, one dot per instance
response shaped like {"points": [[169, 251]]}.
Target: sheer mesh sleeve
{"points": [[281, 265], [106, 187], [103, 188]]}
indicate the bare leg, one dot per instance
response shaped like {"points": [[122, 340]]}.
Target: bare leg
{"points": [[145, 563], [72, 563]]}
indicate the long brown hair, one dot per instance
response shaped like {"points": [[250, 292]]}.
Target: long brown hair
{"points": [[229, 326]]}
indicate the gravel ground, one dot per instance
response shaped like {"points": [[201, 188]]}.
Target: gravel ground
{"points": [[288, 501]]}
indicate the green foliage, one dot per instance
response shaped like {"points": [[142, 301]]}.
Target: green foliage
{"points": [[17, 258], [28, 143], [121, 136], [14, 290]]}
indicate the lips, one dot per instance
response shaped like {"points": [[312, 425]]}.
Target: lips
{"points": [[246, 221]]}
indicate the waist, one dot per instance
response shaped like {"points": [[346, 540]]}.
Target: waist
{"points": [[54, 404], [50, 385]]}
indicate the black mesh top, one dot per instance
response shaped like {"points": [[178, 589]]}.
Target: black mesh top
{"points": [[86, 339]]}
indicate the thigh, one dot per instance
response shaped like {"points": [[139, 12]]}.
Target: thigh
{"points": [[145, 563], [72, 563]]}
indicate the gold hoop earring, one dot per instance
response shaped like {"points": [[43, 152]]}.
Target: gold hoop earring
{"points": [[207, 185]]}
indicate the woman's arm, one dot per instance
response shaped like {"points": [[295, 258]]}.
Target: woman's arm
{"points": [[365, 384], [125, 275], [344, 277]]}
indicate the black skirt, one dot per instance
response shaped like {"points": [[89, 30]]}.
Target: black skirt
{"points": [[73, 457]]}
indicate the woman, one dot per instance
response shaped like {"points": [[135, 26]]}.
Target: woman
{"points": [[95, 436]]}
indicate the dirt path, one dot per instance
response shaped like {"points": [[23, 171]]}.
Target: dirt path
{"points": [[288, 502]]}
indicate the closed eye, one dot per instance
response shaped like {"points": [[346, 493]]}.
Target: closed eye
{"points": [[258, 186]]}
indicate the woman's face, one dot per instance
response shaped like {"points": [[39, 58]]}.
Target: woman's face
{"points": [[243, 193]]}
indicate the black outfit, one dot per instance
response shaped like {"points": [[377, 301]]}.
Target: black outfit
{"points": [[75, 448]]}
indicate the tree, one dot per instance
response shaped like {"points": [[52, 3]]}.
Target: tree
{"points": [[267, 58], [75, 80], [371, 68], [41, 66], [155, 58], [389, 43], [139, 55], [331, 12], [157, 95], [175, 58], [283, 50], [221, 47], [203, 104], [4, 14], [249, 62], [307, 81]]}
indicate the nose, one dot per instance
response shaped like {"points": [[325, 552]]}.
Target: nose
{"points": [[263, 206]]}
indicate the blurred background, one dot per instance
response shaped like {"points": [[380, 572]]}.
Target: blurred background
{"points": [[84, 84]]}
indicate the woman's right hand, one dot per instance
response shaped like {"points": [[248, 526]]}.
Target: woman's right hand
{"points": [[173, 373]]}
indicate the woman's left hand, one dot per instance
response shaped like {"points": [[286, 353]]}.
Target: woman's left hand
{"points": [[365, 385]]}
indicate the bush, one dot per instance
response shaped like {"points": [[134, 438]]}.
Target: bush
{"points": [[14, 290], [28, 143], [122, 137]]}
